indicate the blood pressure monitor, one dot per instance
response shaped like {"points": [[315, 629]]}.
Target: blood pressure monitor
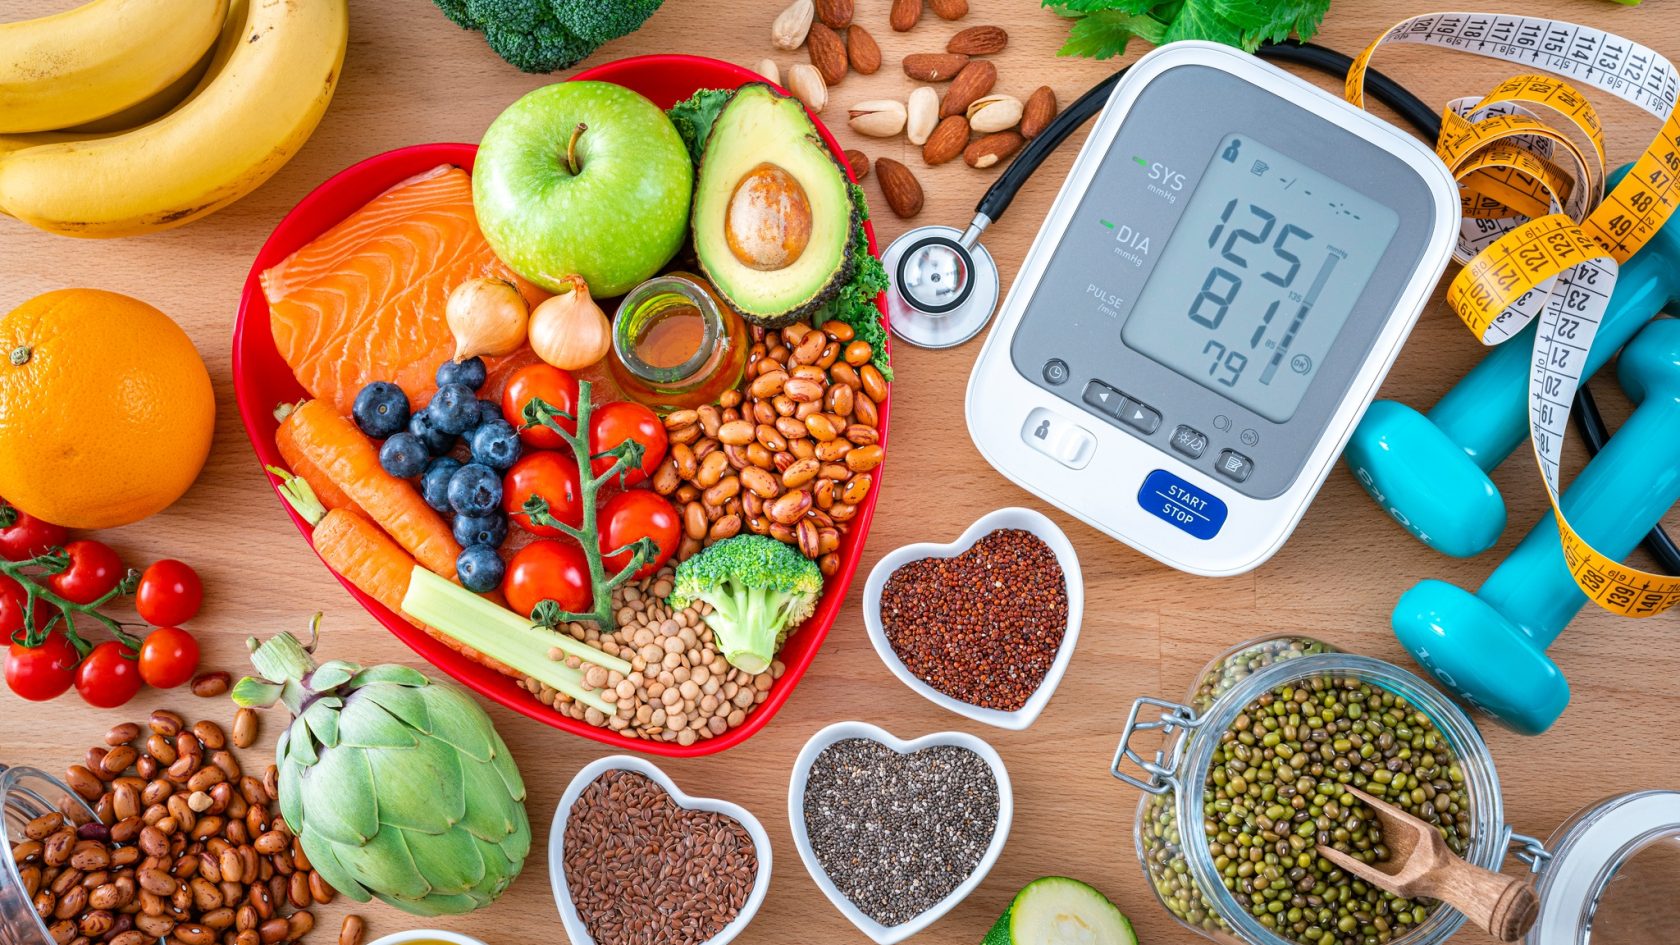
{"points": [[1216, 294]]}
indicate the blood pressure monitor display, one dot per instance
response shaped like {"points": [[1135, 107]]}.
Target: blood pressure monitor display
{"points": [[1259, 276]]}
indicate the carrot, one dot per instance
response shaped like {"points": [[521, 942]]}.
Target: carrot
{"points": [[349, 460], [325, 490]]}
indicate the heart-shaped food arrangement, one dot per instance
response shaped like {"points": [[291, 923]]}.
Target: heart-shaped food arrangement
{"points": [[635, 857]]}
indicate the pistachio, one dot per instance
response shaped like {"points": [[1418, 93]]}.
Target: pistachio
{"points": [[994, 112], [791, 26], [769, 70], [922, 114], [877, 118], [807, 84]]}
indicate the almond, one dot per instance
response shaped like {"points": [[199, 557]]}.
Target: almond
{"points": [[975, 80], [877, 118], [828, 52], [933, 67], [978, 41], [923, 114], [947, 141], [949, 9], [995, 112], [993, 149], [835, 13], [1037, 114], [807, 85], [859, 163], [788, 32], [864, 53], [905, 14], [900, 187], [769, 70]]}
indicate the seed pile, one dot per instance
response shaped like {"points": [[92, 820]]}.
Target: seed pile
{"points": [[1274, 794], [680, 688], [982, 627], [897, 833], [644, 871]]}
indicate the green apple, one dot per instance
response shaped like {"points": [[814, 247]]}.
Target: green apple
{"points": [[585, 178]]}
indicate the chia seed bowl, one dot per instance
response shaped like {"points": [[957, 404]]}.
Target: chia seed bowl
{"points": [[842, 732], [1015, 518]]}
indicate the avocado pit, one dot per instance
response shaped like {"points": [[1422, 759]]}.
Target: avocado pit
{"points": [[768, 222]]}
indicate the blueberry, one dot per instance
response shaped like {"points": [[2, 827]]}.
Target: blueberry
{"points": [[381, 409], [481, 529], [488, 410], [479, 568], [469, 372], [453, 409], [403, 456], [434, 482], [495, 444], [475, 489], [436, 441]]}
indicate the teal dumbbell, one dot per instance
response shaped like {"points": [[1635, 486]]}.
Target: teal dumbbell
{"points": [[1431, 472], [1489, 647]]}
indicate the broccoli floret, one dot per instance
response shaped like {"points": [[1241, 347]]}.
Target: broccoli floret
{"points": [[456, 10], [759, 589], [600, 21]]}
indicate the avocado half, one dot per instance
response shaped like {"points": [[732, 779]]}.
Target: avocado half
{"points": [[773, 216]]}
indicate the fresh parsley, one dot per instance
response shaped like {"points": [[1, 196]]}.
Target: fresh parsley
{"points": [[1103, 28]]}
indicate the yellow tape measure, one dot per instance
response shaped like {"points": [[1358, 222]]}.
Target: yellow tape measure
{"points": [[1537, 241]]}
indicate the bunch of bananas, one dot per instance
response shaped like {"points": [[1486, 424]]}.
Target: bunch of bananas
{"points": [[129, 116]]}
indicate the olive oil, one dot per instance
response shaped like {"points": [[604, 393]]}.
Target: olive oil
{"points": [[676, 345]]}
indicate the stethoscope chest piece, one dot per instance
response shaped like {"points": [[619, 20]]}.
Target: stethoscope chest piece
{"points": [[944, 285]]}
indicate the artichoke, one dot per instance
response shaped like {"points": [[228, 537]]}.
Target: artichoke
{"points": [[397, 786]]}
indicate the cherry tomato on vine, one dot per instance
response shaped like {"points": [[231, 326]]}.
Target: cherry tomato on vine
{"points": [[632, 516], [169, 593], [108, 677], [612, 424], [168, 657], [39, 673], [28, 536], [557, 388], [13, 600], [549, 570], [93, 572], [551, 475]]}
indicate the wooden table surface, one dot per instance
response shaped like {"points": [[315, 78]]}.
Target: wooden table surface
{"points": [[412, 77]]}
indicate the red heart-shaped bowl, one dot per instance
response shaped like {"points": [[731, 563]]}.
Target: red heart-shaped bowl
{"points": [[262, 380]]}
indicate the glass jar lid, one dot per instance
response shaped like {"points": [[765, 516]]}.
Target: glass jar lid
{"points": [[1611, 874]]}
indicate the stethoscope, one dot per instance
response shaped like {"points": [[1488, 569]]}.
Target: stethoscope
{"points": [[945, 284]]}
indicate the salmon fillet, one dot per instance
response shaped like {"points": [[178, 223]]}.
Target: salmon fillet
{"points": [[365, 300]]}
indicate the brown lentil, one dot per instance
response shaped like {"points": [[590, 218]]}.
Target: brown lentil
{"points": [[644, 871], [984, 626]]}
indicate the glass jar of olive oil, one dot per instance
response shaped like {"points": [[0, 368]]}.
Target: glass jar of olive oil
{"points": [[676, 345]]}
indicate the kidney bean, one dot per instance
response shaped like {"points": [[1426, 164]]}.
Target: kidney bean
{"points": [[210, 685]]}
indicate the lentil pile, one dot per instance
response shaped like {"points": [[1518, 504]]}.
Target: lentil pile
{"points": [[982, 627], [644, 871], [680, 688], [897, 833]]}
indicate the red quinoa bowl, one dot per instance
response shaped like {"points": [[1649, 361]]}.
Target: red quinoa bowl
{"points": [[263, 380]]}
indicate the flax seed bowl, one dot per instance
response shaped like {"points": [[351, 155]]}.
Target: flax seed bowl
{"points": [[627, 844], [983, 626]]}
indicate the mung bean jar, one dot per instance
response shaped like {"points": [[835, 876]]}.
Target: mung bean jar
{"points": [[26, 794], [1245, 780]]}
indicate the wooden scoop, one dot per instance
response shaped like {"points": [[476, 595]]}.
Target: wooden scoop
{"points": [[1420, 864]]}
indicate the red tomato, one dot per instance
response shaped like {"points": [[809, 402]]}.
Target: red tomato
{"points": [[557, 388], [612, 424], [554, 477], [169, 593], [28, 536], [39, 673], [13, 600], [632, 516], [168, 657], [108, 677], [548, 570], [93, 572]]}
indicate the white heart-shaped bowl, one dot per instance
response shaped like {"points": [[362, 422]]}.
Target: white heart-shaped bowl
{"points": [[575, 929], [1026, 520], [840, 731]]}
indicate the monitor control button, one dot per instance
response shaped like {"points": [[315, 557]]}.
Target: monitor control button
{"points": [[1235, 466], [1189, 441], [1060, 439], [1104, 399], [1055, 371], [1139, 416]]}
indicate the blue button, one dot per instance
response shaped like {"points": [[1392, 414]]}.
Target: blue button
{"points": [[1170, 498]]}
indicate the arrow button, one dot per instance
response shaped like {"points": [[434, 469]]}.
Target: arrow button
{"points": [[1139, 416], [1104, 399]]}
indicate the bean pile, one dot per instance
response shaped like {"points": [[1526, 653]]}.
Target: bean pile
{"points": [[1275, 796], [680, 688], [644, 871], [790, 455], [897, 833], [186, 848], [982, 627]]}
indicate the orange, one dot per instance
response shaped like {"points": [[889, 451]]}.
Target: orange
{"points": [[106, 410]]}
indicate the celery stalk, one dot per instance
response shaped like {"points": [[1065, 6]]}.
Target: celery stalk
{"points": [[503, 635]]}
